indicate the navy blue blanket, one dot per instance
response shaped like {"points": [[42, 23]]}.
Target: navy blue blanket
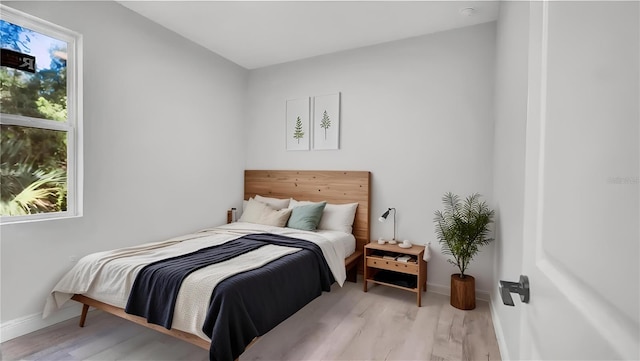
{"points": [[155, 289], [243, 306]]}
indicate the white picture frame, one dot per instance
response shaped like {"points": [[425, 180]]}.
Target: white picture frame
{"points": [[326, 122], [298, 132]]}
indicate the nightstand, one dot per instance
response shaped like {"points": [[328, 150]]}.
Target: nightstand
{"points": [[381, 266]]}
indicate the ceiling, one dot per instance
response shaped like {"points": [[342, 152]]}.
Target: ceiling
{"points": [[255, 34]]}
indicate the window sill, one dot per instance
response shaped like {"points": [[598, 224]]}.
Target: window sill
{"points": [[36, 218]]}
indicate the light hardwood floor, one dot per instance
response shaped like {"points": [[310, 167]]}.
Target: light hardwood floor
{"points": [[344, 324]]}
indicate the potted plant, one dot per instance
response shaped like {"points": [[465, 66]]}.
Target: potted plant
{"points": [[462, 229]]}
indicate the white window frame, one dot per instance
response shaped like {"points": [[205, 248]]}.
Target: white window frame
{"points": [[73, 125]]}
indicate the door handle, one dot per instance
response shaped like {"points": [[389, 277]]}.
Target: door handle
{"points": [[521, 288]]}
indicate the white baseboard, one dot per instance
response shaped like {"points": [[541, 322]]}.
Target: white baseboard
{"points": [[497, 327], [439, 289], [446, 290], [27, 324], [483, 296]]}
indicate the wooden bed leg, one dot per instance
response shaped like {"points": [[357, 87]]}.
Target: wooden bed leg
{"points": [[83, 316], [352, 275], [351, 264]]}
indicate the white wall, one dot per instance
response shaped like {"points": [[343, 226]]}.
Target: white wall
{"points": [[417, 113], [162, 122], [508, 163]]}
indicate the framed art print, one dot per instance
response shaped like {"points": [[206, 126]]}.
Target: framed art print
{"points": [[326, 121]]}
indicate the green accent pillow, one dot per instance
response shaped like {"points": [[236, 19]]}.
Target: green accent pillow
{"points": [[306, 217]]}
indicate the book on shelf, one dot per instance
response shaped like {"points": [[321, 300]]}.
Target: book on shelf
{"points": [[403, 258], [407, 259], [389, 257]]}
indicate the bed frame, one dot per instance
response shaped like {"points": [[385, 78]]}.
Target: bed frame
{"points": [[336, 187]]}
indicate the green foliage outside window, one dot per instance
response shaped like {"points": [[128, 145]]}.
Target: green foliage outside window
{"points": [[33, 161]]}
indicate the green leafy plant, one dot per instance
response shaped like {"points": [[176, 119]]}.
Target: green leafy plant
{"points": [[462, 228]]}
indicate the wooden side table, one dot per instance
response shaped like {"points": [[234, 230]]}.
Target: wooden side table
{"points": [[374, 263]]}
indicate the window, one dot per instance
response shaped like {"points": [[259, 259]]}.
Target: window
{"points": [[40, 119]]}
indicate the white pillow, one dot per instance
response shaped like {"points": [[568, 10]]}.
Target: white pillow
{"points": [[260, 213], [275, 203], [293, 203], [241, 210], [338, 217], [335, 217]]}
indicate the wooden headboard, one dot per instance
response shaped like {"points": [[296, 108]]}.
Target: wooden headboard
{"points": [[336, 187]]}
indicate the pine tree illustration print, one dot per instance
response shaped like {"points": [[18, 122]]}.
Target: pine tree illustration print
{"points": [[298, 133], [325, 123]]}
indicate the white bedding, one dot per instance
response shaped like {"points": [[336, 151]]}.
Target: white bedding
{"points": [[345, 240], [108, 276]]}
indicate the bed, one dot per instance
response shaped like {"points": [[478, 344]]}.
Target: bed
{"points": [[263, 273]]}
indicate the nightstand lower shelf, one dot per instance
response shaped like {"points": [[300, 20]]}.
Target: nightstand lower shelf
{"points": [[394, 286]]}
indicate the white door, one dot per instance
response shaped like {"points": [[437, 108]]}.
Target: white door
{"points": [[581, 222]]}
